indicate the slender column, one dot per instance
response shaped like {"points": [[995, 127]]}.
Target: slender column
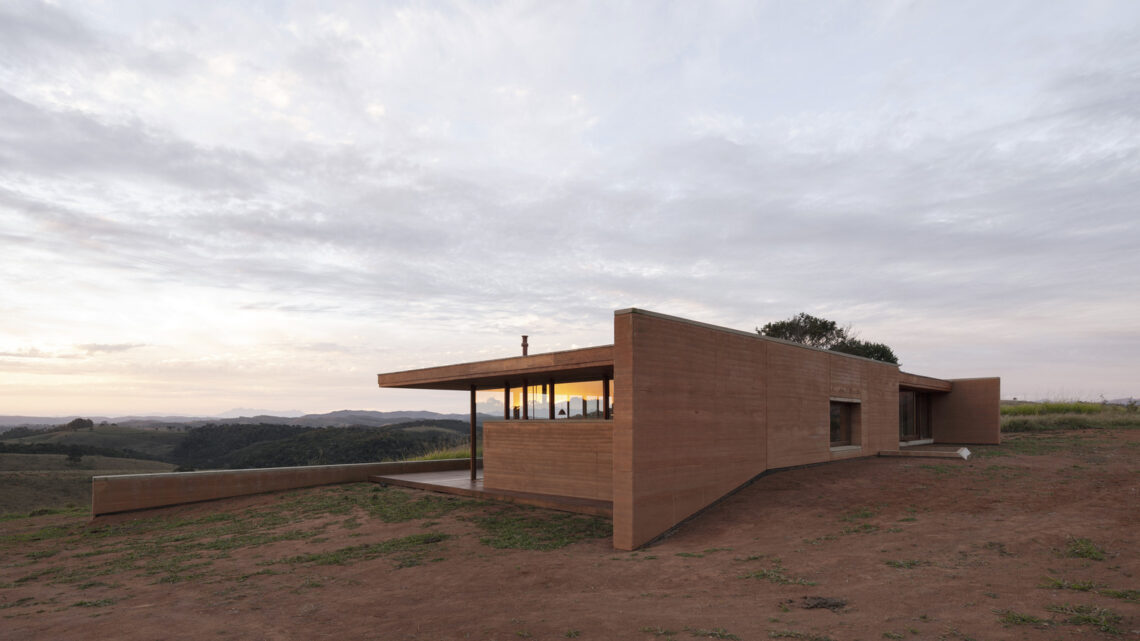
{"points": [[525, 404], [606, 396], [473, 464], [550, 399], [506, 401]]}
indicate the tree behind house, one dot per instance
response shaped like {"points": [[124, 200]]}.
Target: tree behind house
{"points": [[822, 333]]}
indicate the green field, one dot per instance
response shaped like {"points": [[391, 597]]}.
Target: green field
{"points": [[1053, 416], [48, 481], [157, 443]]}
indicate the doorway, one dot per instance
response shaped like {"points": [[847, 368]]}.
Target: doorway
{"points": [[914, 416]]}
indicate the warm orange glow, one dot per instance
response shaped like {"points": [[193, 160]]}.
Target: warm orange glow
{"points": [[571, 400]]}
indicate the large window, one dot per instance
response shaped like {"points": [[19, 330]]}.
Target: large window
{"points": [[549, 400]]}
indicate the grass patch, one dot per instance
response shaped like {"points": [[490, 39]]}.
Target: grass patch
{"points": [[858, 515], [17, 603], [907, 564], [702, 554], [527, 529], [1078, 444], [396, 506], [48, 511], [101, 603], [776, 574], [805, 636], [1051, 583], [1123, 595], [1082, 548], [1012, 617], [941, 469], [715, 633], [411, 550], [463, 451], [179, 548], [1103, 619], [862, 528]]}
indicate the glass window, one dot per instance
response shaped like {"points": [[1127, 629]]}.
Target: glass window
{"points": [[579, 400]]}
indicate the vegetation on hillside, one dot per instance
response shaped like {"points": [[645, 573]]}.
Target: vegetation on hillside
{"points": [[1069, 415], [30, 482], [222, 446], [253, 446], [1052, 407], [340, 445], [136, 443]]}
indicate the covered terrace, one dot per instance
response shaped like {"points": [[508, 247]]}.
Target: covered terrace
{"points": [[553, 444]]}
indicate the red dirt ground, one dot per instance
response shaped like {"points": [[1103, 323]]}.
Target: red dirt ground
{"points": [[975, 541]]}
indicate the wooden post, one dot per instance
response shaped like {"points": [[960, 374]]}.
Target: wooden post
{"points": [[473, 464], [506, 400], [606, 396], [525, 404], [550, 399]]}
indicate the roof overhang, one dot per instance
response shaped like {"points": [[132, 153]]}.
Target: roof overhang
{"points": [[908, 381], [588, 363]]}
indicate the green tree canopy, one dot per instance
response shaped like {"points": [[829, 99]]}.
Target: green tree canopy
{"points": [[866, 349], [81, 424], [819, 332]]}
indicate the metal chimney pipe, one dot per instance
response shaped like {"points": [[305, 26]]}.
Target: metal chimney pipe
{"points": [[524, 344]]}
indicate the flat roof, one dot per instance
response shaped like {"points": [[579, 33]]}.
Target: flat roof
{"points": [[923, 383], [570, 366]]}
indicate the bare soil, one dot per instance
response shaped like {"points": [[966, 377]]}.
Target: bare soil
{"points": [[875, 548]]}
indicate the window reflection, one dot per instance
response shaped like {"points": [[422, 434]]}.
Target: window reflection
{"points": [[578, 400]]}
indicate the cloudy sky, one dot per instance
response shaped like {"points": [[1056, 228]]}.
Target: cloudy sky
{"points": [[263, 204]]}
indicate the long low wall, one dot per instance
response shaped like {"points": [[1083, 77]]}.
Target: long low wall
{"points": [[123, 493], [562, 457]]}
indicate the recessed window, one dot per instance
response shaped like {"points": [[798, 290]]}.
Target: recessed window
{"points": [[843, 417]]}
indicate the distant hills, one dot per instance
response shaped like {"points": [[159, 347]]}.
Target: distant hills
{"points": [[258, 442], [247, 411], [340, 418]]}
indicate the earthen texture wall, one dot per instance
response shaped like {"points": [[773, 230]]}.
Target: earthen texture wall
{"points": [[970, 413], [124, 493], [562, 457], [702, 410]]}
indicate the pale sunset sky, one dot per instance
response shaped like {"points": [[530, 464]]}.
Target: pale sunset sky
{"points": [[209, 205]]}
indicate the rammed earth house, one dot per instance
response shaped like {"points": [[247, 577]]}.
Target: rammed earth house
{"points": [[675, 414]]}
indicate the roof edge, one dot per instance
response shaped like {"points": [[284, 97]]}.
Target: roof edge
{"points": [[740, 332]]}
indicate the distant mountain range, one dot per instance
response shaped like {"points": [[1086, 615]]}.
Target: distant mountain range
{"points": [[341, 418]]}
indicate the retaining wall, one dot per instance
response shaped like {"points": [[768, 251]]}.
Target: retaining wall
{"points": [[126, 492]]}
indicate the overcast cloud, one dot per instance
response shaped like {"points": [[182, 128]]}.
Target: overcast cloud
{"points": [[213, 205]]}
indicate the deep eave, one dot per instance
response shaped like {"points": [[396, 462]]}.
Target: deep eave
{"points": [[587, 363]]}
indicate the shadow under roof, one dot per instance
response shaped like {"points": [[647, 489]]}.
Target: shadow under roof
{"points": [[585, 364]]}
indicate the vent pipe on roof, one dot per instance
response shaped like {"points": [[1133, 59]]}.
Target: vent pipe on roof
{"points": [[524, 344]]}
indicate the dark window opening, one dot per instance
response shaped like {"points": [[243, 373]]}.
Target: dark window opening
{"points": [[843, 417], [914, 416]]}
